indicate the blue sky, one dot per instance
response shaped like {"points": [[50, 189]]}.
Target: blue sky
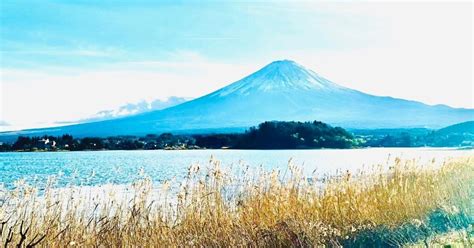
{"points": [[59, 53], [82, 34]]}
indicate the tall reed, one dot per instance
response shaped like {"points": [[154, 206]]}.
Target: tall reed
{"points": [[224, 206]]}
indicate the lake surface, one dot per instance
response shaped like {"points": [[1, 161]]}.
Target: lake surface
{"points": [[122, 167]]}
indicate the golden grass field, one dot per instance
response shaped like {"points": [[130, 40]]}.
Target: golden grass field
{"points": [[407, 204]]}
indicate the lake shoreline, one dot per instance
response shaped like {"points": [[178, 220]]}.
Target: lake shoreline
{"points": [[241, 149]]}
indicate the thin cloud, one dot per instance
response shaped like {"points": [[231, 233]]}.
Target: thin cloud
{"points": [[57, 52], [210, 38]]}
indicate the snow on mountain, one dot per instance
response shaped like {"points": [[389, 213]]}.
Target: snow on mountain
{"points": [[280, 75], [135, 108]]}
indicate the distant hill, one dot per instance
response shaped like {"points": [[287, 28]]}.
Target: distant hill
{"points": [[282, 91], [461, 134], [460, 128], [457, 135]]}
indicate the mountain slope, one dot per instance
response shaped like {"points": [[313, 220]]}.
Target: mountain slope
{"points": [[282, 90]]}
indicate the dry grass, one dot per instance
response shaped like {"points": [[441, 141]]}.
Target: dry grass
{"points": [[215, 207]]}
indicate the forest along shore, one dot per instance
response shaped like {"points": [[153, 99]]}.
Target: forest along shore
{"points": [[267, 135]]}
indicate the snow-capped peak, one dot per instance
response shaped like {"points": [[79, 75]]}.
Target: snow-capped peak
{"points": [[281, 75]]}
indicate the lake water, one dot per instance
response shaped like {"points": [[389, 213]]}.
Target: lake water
{"points": [[122, 167]]}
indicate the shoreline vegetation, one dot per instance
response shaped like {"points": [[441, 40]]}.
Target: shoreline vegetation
{"points": [[267, 135], [399, 204]]}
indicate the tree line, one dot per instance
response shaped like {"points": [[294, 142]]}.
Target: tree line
{"points": [[267, 135]]}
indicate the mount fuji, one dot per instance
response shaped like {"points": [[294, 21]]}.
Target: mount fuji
{"points": [[282, 90]]}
